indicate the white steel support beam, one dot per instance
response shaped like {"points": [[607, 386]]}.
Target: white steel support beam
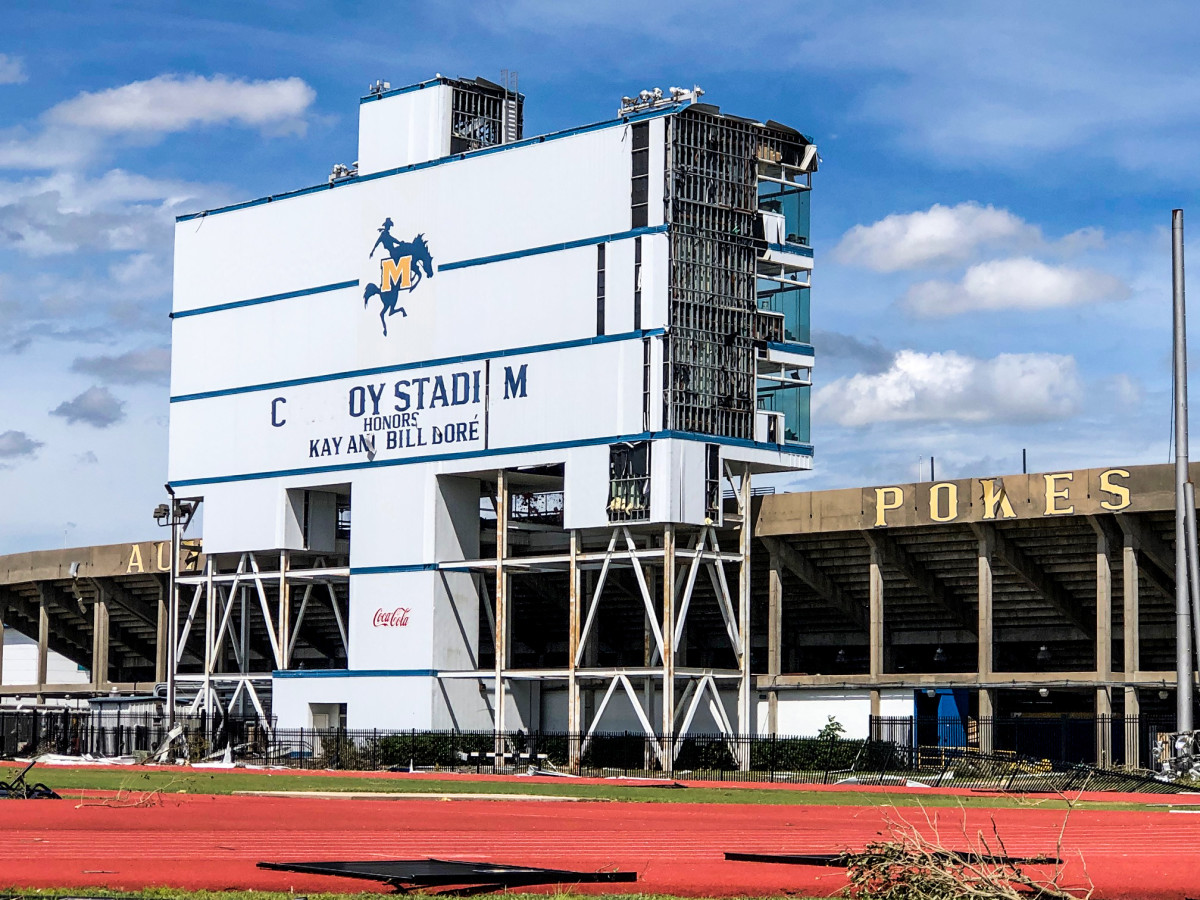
{"points": [[624, 682], [502, 624], [339, 618], [285, 609], [594, 602], [667, 636], [647, 600], [574, 708], [746, 723]]}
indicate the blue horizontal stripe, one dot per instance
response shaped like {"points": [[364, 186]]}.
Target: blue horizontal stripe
{"points": [[354, 673], [423, 364], [392, 570], [790, 347], [791, 449], [270, 298], [399, 170], [445, 267], [798, 249], [551, 248]]}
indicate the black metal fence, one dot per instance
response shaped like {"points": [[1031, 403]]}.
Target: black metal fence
{"points": [[73, 732], [892, 755], [1126, 741]]}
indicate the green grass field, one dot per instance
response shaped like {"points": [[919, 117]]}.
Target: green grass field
{"points": [[144, 779]]}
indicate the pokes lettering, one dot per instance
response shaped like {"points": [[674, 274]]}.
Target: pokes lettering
{"points": [[944, 496]]}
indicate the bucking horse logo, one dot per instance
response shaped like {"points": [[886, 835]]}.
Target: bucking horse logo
{"points": [[401, 270]]}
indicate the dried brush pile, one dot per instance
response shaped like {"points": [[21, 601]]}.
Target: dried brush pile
{"points": [[911, 866]]}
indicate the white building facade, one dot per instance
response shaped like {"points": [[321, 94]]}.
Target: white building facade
{"points": [[477, 361]]}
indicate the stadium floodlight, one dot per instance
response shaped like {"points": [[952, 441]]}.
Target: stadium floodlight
{"points": [[177, 515]]}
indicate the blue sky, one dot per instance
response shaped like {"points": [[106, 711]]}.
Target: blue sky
{"points": [[990, 218]]}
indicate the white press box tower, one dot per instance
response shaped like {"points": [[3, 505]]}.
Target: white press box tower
{"points": [[474, 422]]}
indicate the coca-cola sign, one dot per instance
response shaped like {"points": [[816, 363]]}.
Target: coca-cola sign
{"points": [[391, 618]]}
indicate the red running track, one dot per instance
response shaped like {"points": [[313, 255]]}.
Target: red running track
{"points": [[214, 842]]}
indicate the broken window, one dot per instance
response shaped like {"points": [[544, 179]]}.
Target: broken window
{"points": [[629, 482]]}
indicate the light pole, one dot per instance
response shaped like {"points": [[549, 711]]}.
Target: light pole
{"points": [[177, 516]]}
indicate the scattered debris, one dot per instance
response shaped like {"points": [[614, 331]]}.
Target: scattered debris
{"points": [[406, 874], [20, 789], [844, 860], [1177, 754], [86, 759]]}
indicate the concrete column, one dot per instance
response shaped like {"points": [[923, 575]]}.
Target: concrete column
{"points": [[986, 640], [876, 629], [774, 639], [1132, 641], [1103, 651], [2, 611], [100, 640], [162, 633], [43, 642], [574, 719]]}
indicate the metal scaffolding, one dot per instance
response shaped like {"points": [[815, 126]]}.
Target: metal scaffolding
{"points": [[239, 610], [667, 565]]}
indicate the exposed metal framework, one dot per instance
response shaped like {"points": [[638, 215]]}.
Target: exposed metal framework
{"points": [[633, 582], [719, 255], [250, 613], [484, 114]]}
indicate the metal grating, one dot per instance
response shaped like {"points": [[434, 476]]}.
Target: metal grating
{"points": [[483, 115], [713, 189], [713, 173]]}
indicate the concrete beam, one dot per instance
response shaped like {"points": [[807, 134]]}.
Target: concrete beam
{"points": [[1157, 561], [998, 680], [827, 589], [1035, 576], [916, 574]]}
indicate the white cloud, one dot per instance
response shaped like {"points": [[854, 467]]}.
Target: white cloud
{"points": [[1009, 284], [17, 444], [96, 406], [12, 70], [151, 365], [940, 235], [63, 212], [171, 103], [939, 387]]}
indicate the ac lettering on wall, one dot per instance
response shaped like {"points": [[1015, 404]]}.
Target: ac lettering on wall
{"points": [[156, 557]]}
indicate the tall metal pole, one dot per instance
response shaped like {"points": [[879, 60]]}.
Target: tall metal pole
{"points": [[173, 614], [1183, 631]]}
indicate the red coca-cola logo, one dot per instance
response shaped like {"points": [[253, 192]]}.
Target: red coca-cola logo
{"points": [[391, 618]]}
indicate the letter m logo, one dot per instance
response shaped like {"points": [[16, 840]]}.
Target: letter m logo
{"points": [[514, 384], [396, 273]]}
